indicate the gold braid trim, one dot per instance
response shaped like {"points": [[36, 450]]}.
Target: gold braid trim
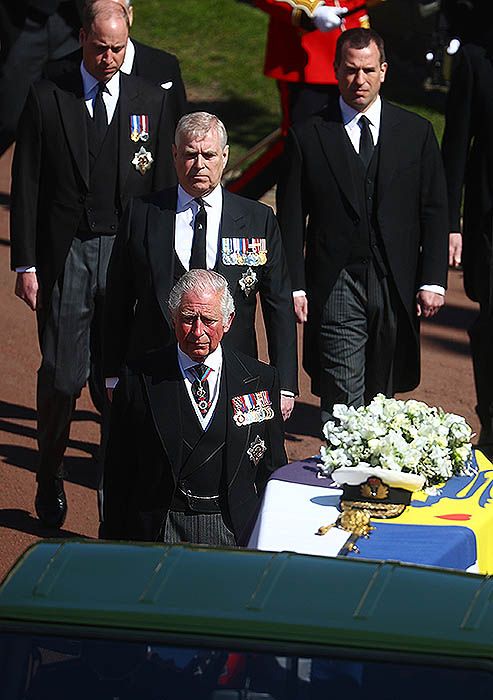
{"points": [[296, 17], [356, 520], [306, 6], [376, 510]]}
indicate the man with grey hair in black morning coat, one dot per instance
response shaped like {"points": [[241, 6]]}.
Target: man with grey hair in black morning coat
{"points": [[196, 429]]}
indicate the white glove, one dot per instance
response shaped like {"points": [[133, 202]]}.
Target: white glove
{"points": [[327, 18], [453, 47]]}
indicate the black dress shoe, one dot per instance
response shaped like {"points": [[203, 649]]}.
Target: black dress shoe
{"points": [[51, 502]]}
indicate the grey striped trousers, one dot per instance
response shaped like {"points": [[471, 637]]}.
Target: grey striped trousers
{"points": [[357, 340], [199, 528]]}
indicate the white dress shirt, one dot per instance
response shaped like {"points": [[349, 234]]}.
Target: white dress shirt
{"points": [[215, 362], [350, 119], [90, 85], [186, 211], [128, 61], [128, 64], [110, 94]]}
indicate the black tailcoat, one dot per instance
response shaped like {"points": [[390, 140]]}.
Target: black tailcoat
{"points": [[50, 174], [467, 149], [142, 272], [410, 212], [157, 66], [144, 453]]}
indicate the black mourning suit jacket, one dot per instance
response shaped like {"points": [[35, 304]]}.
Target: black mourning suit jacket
{"points": [[142, 271], [50, 173], [155, 65], [410, 211], [13, 16], [144, 452], [467, 148]]}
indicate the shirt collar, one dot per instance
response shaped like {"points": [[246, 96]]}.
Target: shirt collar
{"points": [[350, 116], [128, 61], [90, 83], [213, 199], [214, 360]]}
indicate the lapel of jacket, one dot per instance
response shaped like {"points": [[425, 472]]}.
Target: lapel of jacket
{"points": [[233, 225], [389, 138], [239, 382], [129, 103], [74, 118], [160, 244], [334, 142], [162, 385]]}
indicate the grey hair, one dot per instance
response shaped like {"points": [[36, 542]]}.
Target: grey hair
{"points": [[197, 124], [201, 281]]}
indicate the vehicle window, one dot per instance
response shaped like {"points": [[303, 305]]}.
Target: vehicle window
{"points": [[52, 668]]}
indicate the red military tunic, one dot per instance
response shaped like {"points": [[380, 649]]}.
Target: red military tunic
{"points": [[299, 56]]}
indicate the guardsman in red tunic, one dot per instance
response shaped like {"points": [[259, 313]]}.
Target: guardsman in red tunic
{"points": [[300, 53], [300, 49]]}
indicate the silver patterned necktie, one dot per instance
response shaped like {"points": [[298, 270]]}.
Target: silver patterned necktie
{"points": [[200, 387]]}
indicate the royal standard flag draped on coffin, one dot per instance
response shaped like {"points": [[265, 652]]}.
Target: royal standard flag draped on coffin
{"points": [[465, 501]]}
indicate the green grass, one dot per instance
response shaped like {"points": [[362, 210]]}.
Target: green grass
{"points": [[220, 45]]}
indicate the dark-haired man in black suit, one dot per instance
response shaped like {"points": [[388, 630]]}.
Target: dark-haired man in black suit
{"points": [[196, 429], [86, 143], [372, 255]]}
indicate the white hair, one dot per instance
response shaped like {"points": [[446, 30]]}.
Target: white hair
{"points": [[201, 281]]}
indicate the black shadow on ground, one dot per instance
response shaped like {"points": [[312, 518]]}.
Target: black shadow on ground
{"points": [[448, 345], [22, 521], [451, 316], [79, 470], [13, 410]]}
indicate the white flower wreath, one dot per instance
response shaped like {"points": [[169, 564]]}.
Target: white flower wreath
{"points": [[403, 436]]}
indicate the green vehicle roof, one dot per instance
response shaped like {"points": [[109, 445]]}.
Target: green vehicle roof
{"points": [[251, 595]]}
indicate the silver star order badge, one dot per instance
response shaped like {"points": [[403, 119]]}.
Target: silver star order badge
{"points": [[248, 281], [142, 160], [257, 450]]}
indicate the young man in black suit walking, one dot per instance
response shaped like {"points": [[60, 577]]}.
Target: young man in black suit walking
{"points": [[362, 210], [86, 143]]}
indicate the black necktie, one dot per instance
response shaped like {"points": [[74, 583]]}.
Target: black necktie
{"points": [[200, 388], [366, 145], [100, 116], [197, 257]]}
